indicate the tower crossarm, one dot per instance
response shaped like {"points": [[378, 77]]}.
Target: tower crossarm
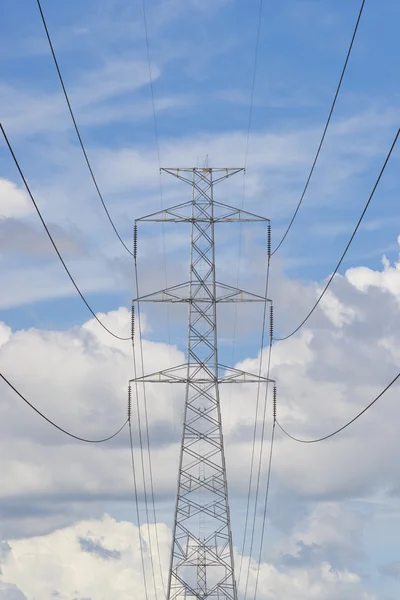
{"points": [[183, 293], [182, 374], [182, 213]]}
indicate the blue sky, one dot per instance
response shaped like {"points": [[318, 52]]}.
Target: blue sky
{"points": [[203, 94], [202, 60]]}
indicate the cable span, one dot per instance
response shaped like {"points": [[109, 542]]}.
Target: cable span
{"points": [[144, 480], [146, 33], [326, 437], [347, 246], [265, 508], [253, 83], [255, 423], [152, 496], [52, 240], [76, 437], [157, 141], [259, 471], [135, 491], [100, 195], [325, 129]]}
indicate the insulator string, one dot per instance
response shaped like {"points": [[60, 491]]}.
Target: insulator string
{"points": [[271, 321], [129, 403], [133, 323], [135, 233]]}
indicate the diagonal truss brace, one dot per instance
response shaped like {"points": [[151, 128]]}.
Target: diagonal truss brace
{"points": [[194, 373], [182, 213], [183, 293]]}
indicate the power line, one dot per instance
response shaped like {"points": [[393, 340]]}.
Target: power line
{"points": [[265, 508], [275, 422], [259, 470], [348, 244], [76, 437], [157, 142], [146, 32], [144, 476], [135, 491], [253, 84], [100, 195], [325, 129], [344, 426], [52, 240], [255, 432], [147, 433]]}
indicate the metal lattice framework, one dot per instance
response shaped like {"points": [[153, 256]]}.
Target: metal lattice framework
{"points": [[202, 563]]}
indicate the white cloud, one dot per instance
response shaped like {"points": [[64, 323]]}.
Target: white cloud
{"points": [[335, 310], [364, 278], [95, 558], [79, 379], [278, 162], [342, 358], [14, 202], [92, 559]]}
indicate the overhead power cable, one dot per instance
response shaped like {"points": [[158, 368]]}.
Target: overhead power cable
{"points": [[253, 82], [153, 102], [76, 437], [266, 498], [144, 480], [100, 195], [326, 437], [325, 130], [52, 240], [135, 491], [157, 142], [348, 244], [146, 422], [252, 90], [252, 460], [260, 463]]}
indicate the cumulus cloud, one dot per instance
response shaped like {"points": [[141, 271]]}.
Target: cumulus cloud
{"points": [[82, 398], [330, 529], [336, 311], [54, 491], [91, 559], [325, 375], [95, 558], [364, 278], [14, 202]]}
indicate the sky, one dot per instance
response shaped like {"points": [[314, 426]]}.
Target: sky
{"points": [[68, 522]]}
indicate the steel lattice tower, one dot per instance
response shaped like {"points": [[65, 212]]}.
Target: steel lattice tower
{"points": [[202, 563]]}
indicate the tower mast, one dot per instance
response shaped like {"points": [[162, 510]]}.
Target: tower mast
{"points": [[202, 561]]}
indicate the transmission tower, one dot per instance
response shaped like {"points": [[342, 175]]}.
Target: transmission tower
{"points": [[202, 564]]}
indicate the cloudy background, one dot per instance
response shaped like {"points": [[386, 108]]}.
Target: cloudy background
{"points": [[68, 521]]}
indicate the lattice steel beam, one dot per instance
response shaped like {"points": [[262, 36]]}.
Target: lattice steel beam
{"points": [[201, 564]]}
